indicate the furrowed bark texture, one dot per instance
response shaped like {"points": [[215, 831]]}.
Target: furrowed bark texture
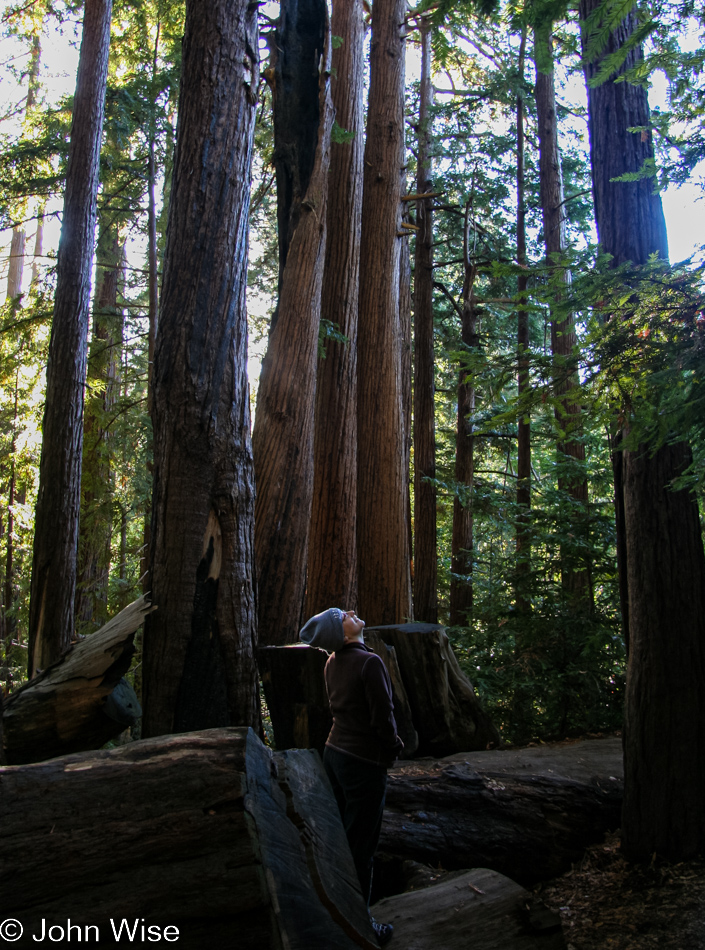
{"points": [[199, 659], [570, 448], [405, 306], [523, 497], [664, 722], [332, 559], [461, 588], [284, 421], [664, 734], [383, 555], [425, 548], [53, 586]]}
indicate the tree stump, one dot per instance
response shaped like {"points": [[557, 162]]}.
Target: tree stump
{"points": [[63, 709], [446, 712], [295, 691], [402, 708], [207, 832]]}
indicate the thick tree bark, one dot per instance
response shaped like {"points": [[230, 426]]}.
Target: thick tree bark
{"points": [[51, 618], [461, 565], [332, 560], [664, 577], [425, 546], [96, 522], [199, 648], [568, 411], [383, 542], [284, 420], [523, 497], [153, 289]]}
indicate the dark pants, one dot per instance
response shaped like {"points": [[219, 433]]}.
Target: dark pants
{"points": [[359, 789]]}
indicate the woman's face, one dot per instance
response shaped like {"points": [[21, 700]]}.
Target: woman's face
{"points": [[352, 625]]}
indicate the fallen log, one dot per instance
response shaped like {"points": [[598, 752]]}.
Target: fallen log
{"points": [[207, 834], [528, 814], [477, 908], [446, 712], [69, 707]]}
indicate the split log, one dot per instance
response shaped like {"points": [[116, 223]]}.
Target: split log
{"points": [[446, 712], [528, 814], [207, 832], [478, 908], [68, 706]]}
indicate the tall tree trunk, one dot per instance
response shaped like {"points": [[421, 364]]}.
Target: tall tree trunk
{"points": [[199, 646], [51, 619], [332, 560], [405, 307], [664, 580], [523, 534], [383, 541], [153, 289], [568, 411], [284, 419], [461, 564], [425, 547], [96, 521], [9, 622]]}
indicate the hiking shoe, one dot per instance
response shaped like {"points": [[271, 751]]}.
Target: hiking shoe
{"points": [[383, 932]]}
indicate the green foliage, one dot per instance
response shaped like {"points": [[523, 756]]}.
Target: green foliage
{"points": [[339, 135]]}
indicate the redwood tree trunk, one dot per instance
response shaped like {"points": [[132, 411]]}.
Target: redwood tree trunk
{"points": [[461, 565], [51, 619], [383, 542], [568, 411], [332, 560], [199, 648], [425, 547], [523, 535], [664, 734], [284, 420]]}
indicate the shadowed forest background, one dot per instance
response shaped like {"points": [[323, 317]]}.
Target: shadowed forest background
{"points": [[469, 411]]}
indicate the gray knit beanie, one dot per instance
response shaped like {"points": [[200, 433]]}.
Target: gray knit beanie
{"points": [[325, 630]]}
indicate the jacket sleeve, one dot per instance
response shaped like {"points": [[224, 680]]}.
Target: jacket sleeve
{"points": [[378, 691]]}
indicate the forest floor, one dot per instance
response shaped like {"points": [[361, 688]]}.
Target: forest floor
{"points": [[607, 903]]}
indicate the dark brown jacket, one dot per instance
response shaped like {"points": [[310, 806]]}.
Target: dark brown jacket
{"points": [[360, 697]]}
